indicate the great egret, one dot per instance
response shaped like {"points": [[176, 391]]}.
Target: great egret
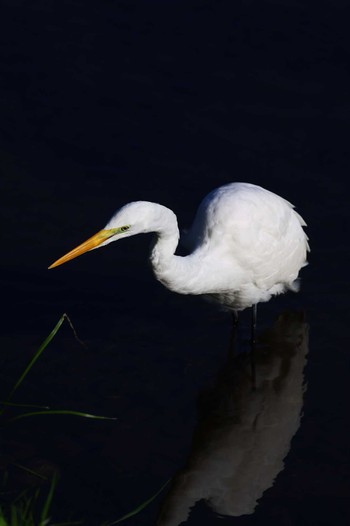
{"points": [[246, 245]]}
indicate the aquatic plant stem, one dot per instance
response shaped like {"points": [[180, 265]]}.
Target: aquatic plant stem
{"points": [[40, 351]]}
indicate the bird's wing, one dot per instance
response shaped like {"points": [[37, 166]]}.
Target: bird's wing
{"points": [[253, 228], [271, 242]]}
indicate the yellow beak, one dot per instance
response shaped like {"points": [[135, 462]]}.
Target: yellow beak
{"points": [[89, 244]]}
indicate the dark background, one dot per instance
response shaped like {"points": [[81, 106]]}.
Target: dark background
{"points": [[107, 102]]}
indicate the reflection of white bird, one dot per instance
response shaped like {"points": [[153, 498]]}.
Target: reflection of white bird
{"points": [[246, 244], [242, 437]]}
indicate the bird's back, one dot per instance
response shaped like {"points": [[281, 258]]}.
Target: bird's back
{"points": [[255, 231]]}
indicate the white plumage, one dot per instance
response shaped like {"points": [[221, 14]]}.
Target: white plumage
{"points": [[246, 245]]}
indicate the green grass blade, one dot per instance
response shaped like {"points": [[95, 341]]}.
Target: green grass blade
{"points": [[14, 516], [33, 406], [62, 412], [30, 471], [36, 356], [140, 507], [47, 503], [22, 511]]}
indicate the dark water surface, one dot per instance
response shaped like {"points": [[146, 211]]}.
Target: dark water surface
{"points": [[109, 102]]}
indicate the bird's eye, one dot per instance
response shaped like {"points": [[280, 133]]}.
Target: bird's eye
{"points": [[124, 228]]}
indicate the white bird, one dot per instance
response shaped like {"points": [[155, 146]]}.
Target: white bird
{"points": [[247, 244]]}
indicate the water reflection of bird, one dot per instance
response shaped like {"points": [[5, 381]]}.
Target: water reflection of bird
{"points": [[242, 436], [246, 245]]}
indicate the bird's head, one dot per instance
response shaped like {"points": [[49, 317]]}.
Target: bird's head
{"points": [[134, 218]]}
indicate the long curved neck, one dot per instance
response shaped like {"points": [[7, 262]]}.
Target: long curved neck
{"points": [[174, 272]]}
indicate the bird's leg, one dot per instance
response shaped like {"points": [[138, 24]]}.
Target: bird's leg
{"points": [[233, 336], [253, 346], [235, 318]]}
